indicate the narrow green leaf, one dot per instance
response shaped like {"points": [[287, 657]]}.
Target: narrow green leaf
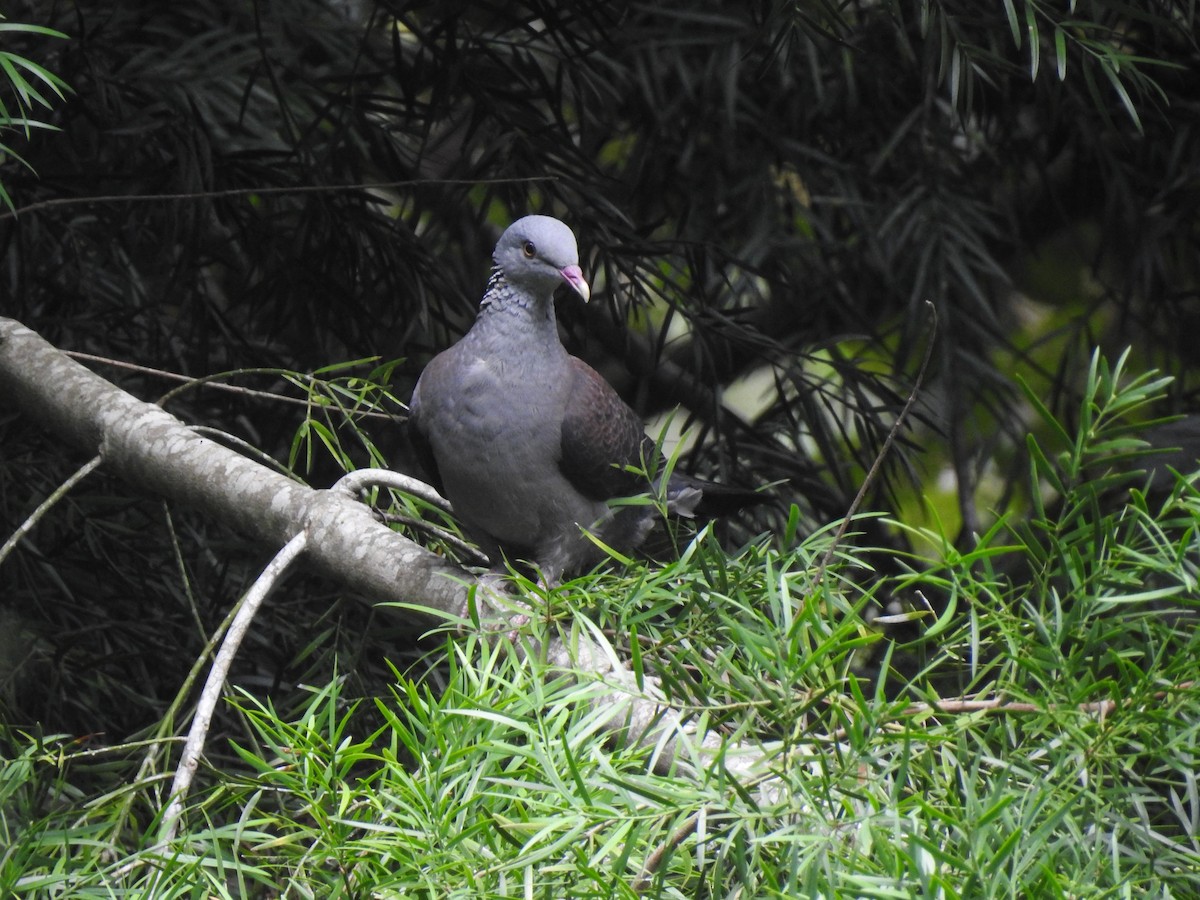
{"points": [[1035, 42], [1042, 467], [635, 658], [1044, 414], [1114, 78], [31, 29], [43, 74], [573, 767], [1014, 26], [946, 619]]}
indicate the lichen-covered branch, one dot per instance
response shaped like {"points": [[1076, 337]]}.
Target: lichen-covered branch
{"points": [[153, 450]]}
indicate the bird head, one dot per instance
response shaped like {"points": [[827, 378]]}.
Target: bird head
{"points": [[538, 253]]}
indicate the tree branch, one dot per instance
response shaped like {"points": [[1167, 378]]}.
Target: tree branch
{"points": [[152, 449], [189, 762]]}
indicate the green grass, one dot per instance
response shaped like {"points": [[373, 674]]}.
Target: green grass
{"points": [[485, 773], [25, 85]]}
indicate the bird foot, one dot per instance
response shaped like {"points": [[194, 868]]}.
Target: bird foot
{"points": [[497, 604]]}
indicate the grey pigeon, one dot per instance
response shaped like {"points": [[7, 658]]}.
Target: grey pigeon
{"points": [[528, 443]]}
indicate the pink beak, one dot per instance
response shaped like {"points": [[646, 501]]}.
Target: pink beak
{"points": [[573, 275]]}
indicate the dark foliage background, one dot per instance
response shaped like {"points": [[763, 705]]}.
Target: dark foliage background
{"points": [[771, 189]]}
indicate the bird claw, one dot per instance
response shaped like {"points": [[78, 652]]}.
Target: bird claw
{"points": [[497, 605]]}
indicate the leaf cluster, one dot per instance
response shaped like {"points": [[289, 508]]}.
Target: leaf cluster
{"points": [[32, 85]]}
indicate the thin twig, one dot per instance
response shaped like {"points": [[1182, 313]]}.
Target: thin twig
{"points": [[358, 481], [642, 883], [248, 450], [264, 192], [46, 505], [471, 554], [211, 694], [1100, 708], [961, 705], [877, 465], [352, 483], [210, 381]]}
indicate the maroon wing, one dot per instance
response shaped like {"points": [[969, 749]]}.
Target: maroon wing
{"points": [[601, 435]]}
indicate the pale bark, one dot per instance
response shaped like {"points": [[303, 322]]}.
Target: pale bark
{"points": [[154, 451]]}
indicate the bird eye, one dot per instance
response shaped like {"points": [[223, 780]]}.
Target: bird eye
{"points": [[529, 250]]}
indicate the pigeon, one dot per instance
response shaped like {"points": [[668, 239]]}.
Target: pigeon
{"points": [[531, 446]]}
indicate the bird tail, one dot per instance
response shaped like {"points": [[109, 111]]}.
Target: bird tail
{"points": [[691, 497]]}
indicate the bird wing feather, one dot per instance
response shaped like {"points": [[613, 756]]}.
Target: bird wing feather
{"points": [[601, 436]]}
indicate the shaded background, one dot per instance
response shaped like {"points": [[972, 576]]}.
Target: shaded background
{"points": [[768, 196]]}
